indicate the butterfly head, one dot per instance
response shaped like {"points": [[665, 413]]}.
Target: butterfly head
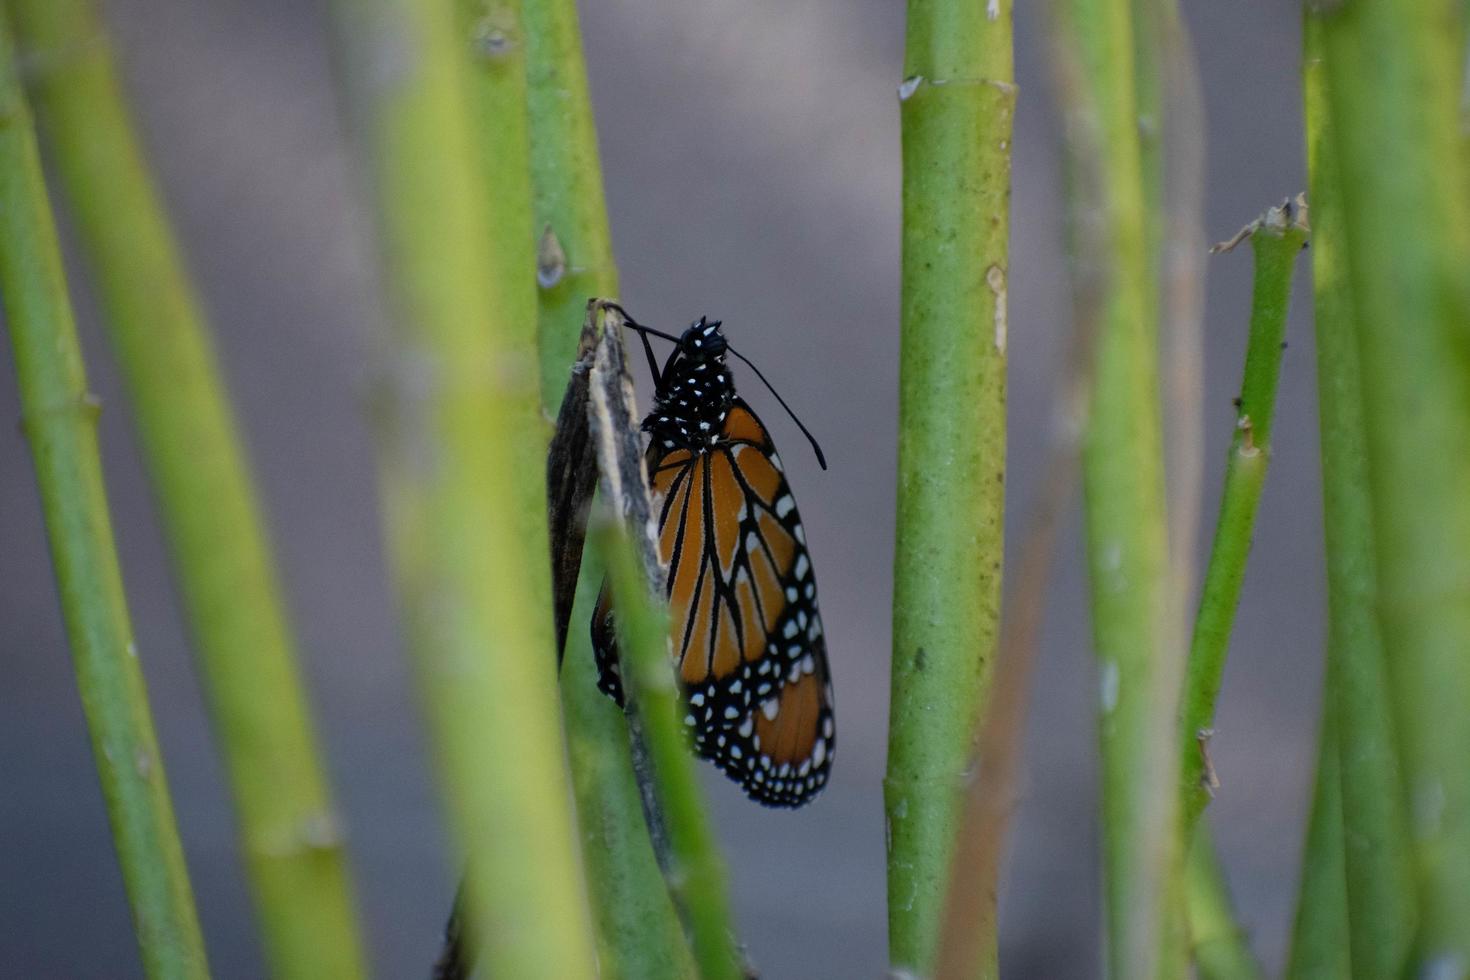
{"points": [[703, 340]]}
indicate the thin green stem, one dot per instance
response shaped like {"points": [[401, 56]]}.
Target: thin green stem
{"points": [[1123, 477], [958, 101], [637, 929], [466, 514], [697, 877], [1276, 240], [1320, 945], [290, 837], [1394, 74], [1379, 874], [60, 420], [1217, 943]]}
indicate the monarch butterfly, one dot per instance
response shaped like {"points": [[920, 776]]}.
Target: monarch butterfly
{"points": [[747, 637]]}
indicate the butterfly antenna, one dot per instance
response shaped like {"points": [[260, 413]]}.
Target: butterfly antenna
{"points": [[643, 334], [635, 325], [821, 460]]}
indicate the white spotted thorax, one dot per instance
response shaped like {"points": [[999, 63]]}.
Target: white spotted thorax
{"points": [[694, 397]]}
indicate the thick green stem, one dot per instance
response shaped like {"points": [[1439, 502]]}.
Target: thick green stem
{"points": [[464, 486], [1276, 239], [1320, 944], [1379, 874], [60, 422], [1393, 72], [1123, 477], [637, 930], [958, 100], [1217, 944], [291, 839], [574, 258]]}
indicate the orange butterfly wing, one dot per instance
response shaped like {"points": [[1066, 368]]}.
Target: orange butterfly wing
{"points": [[744, 627]]}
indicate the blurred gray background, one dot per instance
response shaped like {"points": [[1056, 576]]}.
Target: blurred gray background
{"points": [[752, 168]]}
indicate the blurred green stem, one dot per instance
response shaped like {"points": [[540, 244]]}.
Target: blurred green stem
{"points": [[574, 258], [291, 839], [697, 875], [1217, 943], [60, 421], [1276, 239], [638, 932], [957, 104], [639, 936], [1321, 948], [1123, 477], [1394, 74], [1378, 870], [465, 490]]}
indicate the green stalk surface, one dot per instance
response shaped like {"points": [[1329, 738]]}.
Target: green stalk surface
{"points": [[59, 417], [464, 477], [1394, 75], [1217, 943], [1123, 479], [1378, 869], [957, 105], [1320, 944], [639, 936], [696, 875], [574, 256], [290, 837], [638, 932]]}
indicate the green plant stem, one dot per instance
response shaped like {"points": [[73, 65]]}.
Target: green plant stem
{"points": [[697, 877], [1393, 72], [1379, 875], [1123, 480], [466, 513], [637, 930], [958, 101], [1276, 240], [60, 422], [290, 838], [1321, 948], [1217, 943], [575, 257]]}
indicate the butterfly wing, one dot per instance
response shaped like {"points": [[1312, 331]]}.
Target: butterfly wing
{"points": [[780, 750], [671, 482], [744, 627]]}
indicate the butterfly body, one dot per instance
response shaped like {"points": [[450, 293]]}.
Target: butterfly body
{"points": [[746, 634]]}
